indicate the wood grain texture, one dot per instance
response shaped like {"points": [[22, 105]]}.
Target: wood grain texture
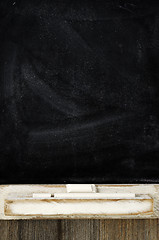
{"points": [[79, 230]]}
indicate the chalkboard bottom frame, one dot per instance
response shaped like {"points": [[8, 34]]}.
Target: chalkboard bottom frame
{"points": [[17, 202]]}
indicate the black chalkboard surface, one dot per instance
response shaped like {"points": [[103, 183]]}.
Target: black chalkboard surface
{"points": [[79, 91]]}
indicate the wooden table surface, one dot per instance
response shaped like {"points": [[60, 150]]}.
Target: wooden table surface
{"points": [[79, 229]]}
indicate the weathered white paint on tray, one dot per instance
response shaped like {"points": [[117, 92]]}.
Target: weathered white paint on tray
{"points": [[17, 202]]}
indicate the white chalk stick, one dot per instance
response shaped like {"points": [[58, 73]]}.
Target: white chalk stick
{"points": [[80, 188], [94, 195], [41, 195]]}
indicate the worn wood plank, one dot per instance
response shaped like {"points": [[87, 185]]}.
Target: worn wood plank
{"points": [[9, 230], [79, 230], [128, 229], [39, 230]]}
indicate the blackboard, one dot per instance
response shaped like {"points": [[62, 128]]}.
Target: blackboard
{"points": [[79, 91]]}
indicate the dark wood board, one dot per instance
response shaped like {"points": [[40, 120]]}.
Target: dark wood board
{"points": [[79, 230]]}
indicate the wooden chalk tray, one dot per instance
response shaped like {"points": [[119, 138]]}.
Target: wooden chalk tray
{"points": [[79, 201]]}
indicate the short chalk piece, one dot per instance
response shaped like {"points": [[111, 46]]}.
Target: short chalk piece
{"points": [[81, 188]]}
